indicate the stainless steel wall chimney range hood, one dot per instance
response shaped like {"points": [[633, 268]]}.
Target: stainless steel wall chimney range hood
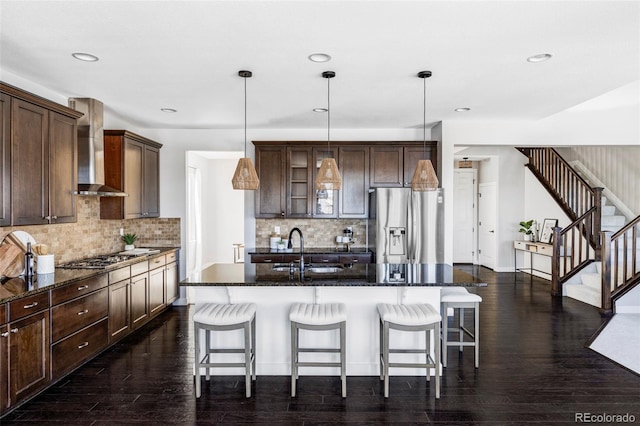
{"points": [[91, 149]]}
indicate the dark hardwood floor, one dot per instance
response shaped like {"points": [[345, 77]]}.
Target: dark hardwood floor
{"points": [[534, 368]]}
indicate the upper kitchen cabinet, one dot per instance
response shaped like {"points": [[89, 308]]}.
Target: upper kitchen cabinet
{"points": [[132, 165], [394, 165], [38, 154], [5, 160], [270, 166], [354, 167], [287, 171]]}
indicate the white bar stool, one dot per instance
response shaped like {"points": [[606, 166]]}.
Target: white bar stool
{"points": [[410, 317], [318, 316], [459, 298], [212, 317]]}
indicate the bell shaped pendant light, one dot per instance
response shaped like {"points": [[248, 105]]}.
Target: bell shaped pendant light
{"points": [[424, 178], [328, 178], [245, 176]]}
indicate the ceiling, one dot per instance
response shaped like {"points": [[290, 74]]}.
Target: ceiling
{"points": [[186, 55]]}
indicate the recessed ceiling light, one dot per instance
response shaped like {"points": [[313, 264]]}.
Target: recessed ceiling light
{"points": [[319, 57], [539, 58], [87, 57], [462, 109], [320, 110], [169, 110]]}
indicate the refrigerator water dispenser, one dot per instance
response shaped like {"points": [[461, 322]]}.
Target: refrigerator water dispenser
{"points": [[397, 241]]}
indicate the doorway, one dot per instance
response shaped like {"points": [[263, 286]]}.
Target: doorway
{"points": [[487, 224], [465, 216], [215, 211]]}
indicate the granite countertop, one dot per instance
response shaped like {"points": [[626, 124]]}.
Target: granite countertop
{"points": [[310, 250], [15, 288], [418, 275]]}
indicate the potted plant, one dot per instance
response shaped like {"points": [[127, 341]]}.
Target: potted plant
{"points": [[526, 229], [129, 239]]}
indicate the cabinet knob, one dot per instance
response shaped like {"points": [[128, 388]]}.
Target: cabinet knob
{"points": [[5, 334], [83, 344], [83, 312], [83, 287], [46, 217], [54, 217], [14, 330], [30, 305], [282, 214]]}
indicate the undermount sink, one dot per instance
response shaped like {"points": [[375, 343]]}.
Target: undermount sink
{"points": [[317, 269], [324, 269]]}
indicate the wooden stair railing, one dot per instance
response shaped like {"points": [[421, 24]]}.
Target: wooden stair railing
{"points": [[620, 264], [578, 244], [572, 250]]}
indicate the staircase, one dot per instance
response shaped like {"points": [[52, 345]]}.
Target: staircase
{"points": [[596, 259], [587, 285]]}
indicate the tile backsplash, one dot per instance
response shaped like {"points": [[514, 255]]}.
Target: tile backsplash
{"points": [[317, 232], [90, 235]]}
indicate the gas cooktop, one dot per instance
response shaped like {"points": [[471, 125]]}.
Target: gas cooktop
{"points": [[97, 262]]}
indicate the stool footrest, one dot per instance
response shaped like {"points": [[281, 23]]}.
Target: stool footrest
{"points": [[432, 364], [318, 364], [407, 351], [330, 350], [225, 351]]}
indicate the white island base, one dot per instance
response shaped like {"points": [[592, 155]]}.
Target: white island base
{"points": [[273, 330]]}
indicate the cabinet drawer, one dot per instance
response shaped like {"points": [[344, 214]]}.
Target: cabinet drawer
{"points": [[545, 250], [172, 257], [72, 316], [119, 274], [77, 289], [157, 262], [139, 268], [355, 258], [324, 258], [266, 258], [520, 245], [28, 305], [78, 348], [3, 314], [293, 258]]}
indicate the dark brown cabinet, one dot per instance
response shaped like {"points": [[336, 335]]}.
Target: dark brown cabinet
{"points": [[139, 294], [171, 280], [119, 303], [29, 346], [394, 165], [5, 161], [132, 165], [79, 325], [287, 171], [39, 145], [157, 297], [354, 167], [387, 164], [4, 359], [270, 166]]}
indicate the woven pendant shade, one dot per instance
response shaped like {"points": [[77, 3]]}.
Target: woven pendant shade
{"points": [[245, 176], [424, 178], [328, 176]]}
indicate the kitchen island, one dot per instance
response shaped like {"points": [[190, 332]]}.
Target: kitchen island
{"points": [[360, 292]]}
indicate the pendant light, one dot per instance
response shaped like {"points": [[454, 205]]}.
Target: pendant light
{"points": [[245, 176], [328, 176], [424, 178]]}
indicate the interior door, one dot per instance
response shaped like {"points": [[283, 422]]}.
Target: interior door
{"points": [[464, 216], [487, 224]]}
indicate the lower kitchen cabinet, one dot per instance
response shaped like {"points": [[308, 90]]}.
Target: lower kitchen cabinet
{"points": [[4, 367], [139, 300], [171, 282], [29, 345], [119, 310], [78, 347], [46, 335], [156, 287]]}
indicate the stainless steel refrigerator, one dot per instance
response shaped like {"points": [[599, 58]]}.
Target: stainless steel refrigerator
{"points": [[406, 226]]}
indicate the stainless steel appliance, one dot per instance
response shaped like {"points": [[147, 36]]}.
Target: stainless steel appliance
{"points": [[97, 262], [406, 226]]}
